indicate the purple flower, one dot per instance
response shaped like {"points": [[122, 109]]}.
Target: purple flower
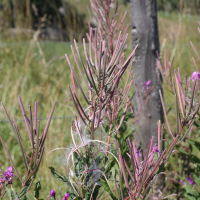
{"points": [[155, 149], [9, 175], [195, 76], [52, 194], [190, 180], [182, 182], [138, 153], [146, 84], [66, 197]]}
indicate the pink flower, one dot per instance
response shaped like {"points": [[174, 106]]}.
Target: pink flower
{"points": [[52, 194], [146, 84], [155, 149], [9, 175], [66, 197], [195, 76], [138, 153], [190, 180]]}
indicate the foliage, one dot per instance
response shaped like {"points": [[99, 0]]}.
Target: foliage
{"points": [[191, 168], [179, 6]]}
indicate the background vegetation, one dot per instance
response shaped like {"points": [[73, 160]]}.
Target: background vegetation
{"points": [[35, 68]]}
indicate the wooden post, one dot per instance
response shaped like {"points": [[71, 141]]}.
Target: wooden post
{"points": [[145, 34]]}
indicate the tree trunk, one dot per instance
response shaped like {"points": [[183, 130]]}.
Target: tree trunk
{"points": [[145, 34]]}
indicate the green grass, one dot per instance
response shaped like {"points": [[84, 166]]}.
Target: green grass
{"points": [[44, 77], [24, 73]]}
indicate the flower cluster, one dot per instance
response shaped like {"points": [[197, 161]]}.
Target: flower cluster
{"points": [[147, 84], [53, 195], [155, 149], [189, 179], [147, 88], [67, 195], [195, 76], [8, 176], [5, 179]]}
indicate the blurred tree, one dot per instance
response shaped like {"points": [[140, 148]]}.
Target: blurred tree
{"points": [[60, 17], [191, 6], [145, 34]]}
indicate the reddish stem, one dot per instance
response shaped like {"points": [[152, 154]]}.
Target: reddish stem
{"points": [[109, 28]]}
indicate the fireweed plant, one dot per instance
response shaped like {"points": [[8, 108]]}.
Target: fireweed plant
{"points": [[32, 161], [185, 173], [105, 161], [99, 161]]}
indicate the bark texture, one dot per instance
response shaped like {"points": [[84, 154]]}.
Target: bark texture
{"points": [[145, 34]]}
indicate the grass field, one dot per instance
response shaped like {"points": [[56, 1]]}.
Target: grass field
{"points": [[41, 73]]}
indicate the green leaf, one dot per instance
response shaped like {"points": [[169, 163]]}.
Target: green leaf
{"points": [[160, 169], [182, 151], [198, 168], [87, 195], [194, 159], [107, 188], [14, 193], [191, 196], [196, 124], [23, 191], [37, 189], [129, 134], [109, 166], [188, 187], [96, 192], [24, 197], [79, 164], [195, 143], [196, 179], [9, 193], [61, 178], [156, 157]]}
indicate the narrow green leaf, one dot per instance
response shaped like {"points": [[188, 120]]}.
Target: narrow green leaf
{"points": [[182, 151], [9, 193], [195, 143], [109, 166], [14, 193], [25, 198], [107, 188], [37, 189], [61, 178], [23, 191]]}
